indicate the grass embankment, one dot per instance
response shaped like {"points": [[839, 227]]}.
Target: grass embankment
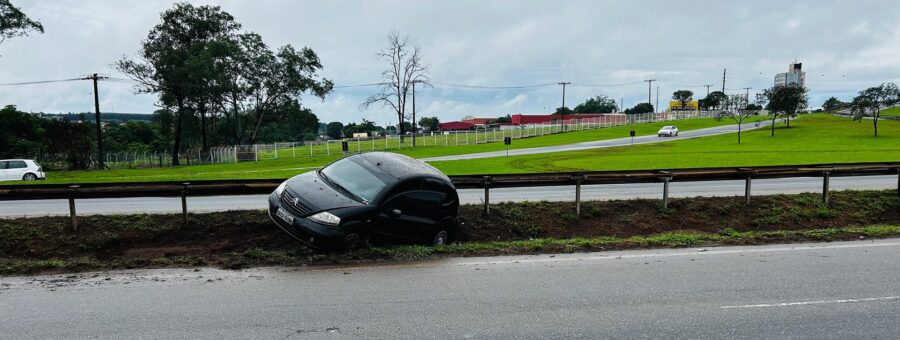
{"points": [[812, 139], [287, 167], [893, 112], [247, 238]]}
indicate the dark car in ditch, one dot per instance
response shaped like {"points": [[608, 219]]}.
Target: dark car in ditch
{"points": [[372, 194]]}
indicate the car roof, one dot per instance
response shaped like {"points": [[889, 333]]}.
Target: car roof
{"points": [[400, 166]]}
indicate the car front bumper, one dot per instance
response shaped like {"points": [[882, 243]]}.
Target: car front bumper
{"points": [[303, 229]]}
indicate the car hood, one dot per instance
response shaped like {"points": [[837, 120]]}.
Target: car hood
{"points": [[316, 194]]}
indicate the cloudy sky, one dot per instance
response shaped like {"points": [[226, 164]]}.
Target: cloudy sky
{"points": [[844, 46]]}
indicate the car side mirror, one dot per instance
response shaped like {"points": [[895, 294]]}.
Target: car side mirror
{"points": [[396, 212]]}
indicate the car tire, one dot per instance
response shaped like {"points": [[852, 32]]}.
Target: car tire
{"points": [[353, 241], [676, 134], [29, 177], [441, 237]]}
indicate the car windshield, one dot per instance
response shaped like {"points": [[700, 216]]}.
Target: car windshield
{"points": [[666, 127], [356, 177]]}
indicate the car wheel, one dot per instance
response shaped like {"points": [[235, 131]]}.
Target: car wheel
{"points": [[29, 177], [676, 134], [353, 241], [441, 238]]}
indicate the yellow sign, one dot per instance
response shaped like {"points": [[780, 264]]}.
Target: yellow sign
{"points": [[692, 105]]}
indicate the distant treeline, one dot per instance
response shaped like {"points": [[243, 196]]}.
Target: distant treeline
{"points": [[106, 117]]}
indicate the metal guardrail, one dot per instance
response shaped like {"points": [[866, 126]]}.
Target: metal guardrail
{"points": [[265, 186]]}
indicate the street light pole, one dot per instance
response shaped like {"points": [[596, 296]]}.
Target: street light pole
{"points": [[563, 109], [649, 89]]}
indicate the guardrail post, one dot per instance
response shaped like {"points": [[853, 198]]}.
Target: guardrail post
{"points": [[184, 193], [898, 181], [487, 194], [578, 179], [747, 184], [667, 176], [826, 177], [72, 214]]}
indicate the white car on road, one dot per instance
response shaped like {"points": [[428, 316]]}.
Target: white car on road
{"points": [[20, 170], [668, 130]]}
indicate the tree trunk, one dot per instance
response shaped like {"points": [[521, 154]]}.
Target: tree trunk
{"points": [[774, 116], [176, 146], [788, 120], [739, 132], [875, 124]]}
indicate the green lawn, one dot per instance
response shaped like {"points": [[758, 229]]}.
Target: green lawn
{"points": [[814, 139], [891, 112], [288, 166]]}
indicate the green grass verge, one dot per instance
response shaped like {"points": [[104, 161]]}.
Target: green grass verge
{"points": [[287, 167], [813, 139], [891, 112], [260, 256]]}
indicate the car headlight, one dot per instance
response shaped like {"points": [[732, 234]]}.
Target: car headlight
{"points": [[326, 218], [280, 188]]}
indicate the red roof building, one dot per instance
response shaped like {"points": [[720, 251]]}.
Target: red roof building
{"points": [[455, 126], [520, 119]]}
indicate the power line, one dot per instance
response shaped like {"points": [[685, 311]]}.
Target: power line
{"points": [[42, 82], [607, 85], [492, 87]]}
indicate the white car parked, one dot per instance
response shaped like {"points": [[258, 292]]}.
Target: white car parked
{"points": [[668, 130], [20, 170]]}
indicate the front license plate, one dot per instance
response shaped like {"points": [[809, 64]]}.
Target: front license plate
{"points": [[284, 215]]}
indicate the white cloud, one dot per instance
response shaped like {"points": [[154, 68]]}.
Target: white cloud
{"points": [[502, 42]]}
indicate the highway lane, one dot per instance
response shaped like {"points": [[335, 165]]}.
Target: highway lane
{"points": [[12, 209], [828, 290], [607, 143]]}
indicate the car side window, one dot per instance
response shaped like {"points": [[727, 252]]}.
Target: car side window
{"points": [[419, 203], [3, 165], [404, 187], [440, 187], [17, 165]]}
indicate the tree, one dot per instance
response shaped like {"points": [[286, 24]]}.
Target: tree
{"points": [[598, 104], [871, 101], [563, 111], [504, 119], [405, 68], [334, 130], [172, 59], [429, 123], [785, 101], [14, 23], [714, 99], [753, 107], [683, 97], [833, 105], [640, 108], [738, 110]]}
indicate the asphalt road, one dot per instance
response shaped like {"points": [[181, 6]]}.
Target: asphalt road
{"points": [[12, 209], [831, 290], [608, 143]]}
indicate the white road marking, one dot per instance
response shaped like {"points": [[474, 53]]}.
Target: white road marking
{"points": [[703, 252], [820, 302]]}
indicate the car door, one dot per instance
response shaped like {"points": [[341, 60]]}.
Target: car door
{"points": [[3, 171], [410, 215], [16, 169]]}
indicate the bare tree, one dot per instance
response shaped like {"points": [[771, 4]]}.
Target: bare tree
{"points": [[737, 109], [405, 69]]}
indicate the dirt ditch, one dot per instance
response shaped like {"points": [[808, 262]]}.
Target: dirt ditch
{"points": [[242, 238]]}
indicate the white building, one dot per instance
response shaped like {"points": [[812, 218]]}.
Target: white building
{"points": [[793, 77]]}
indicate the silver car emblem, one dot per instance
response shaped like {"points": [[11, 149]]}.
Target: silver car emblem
{"points": [[296, 201]]}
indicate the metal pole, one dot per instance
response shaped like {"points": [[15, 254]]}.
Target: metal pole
{"points": [[578, 197], [184, 211], [487, 194], [825, 179], [72, 215], [747, 190]]}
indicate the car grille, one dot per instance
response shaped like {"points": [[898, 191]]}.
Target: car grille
{"points": [[294, 203]]}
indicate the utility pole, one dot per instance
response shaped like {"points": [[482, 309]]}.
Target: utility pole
{"points": [[95, 77], [747, 95], [657, 99], [564, 83], [649, 89], [707, 89], [723, 79]]}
